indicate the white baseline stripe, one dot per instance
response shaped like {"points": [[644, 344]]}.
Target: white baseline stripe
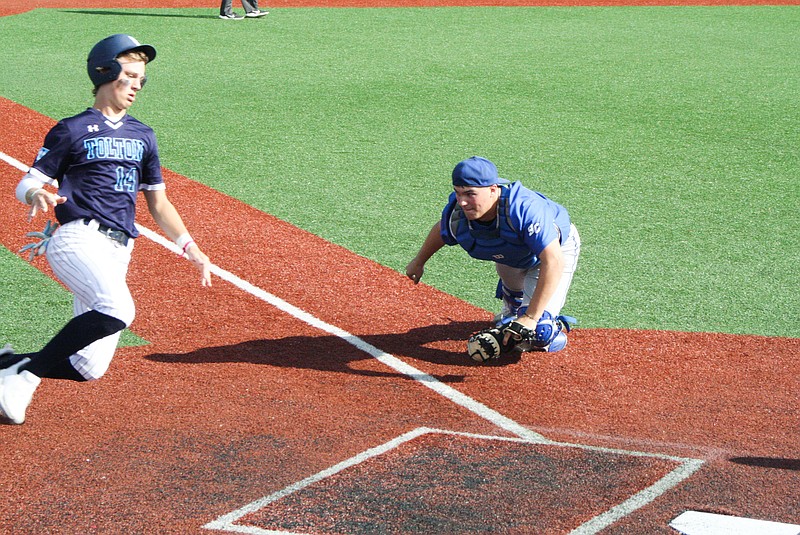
{"points": [[226, 522], [640, 499], [14, 162], [393, 362]]}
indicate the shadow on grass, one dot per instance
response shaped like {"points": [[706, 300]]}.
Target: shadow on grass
{"points": [[213, 13]]}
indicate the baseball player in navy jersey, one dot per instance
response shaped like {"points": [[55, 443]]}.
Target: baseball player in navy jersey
{"points": [[100, 159], [532, 242]]}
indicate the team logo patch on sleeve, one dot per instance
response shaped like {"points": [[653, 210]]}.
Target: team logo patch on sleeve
{"points": [[41, 153]]}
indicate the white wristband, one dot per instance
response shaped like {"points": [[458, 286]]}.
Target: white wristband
{"points": [[27, 183], [184, 240]]}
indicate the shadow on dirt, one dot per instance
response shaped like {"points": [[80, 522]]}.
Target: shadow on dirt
{"points": [[768, 462], [438, 344]]}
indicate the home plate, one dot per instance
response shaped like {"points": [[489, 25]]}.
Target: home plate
{"points": [[698, 523]]}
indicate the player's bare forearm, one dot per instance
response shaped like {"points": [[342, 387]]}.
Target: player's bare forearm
{"points": [[433, 242], [167, 218], [550, 272], [165, 214], [31, 191]]}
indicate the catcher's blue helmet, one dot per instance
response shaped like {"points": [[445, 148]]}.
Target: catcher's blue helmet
{"points": [[104, 56]]}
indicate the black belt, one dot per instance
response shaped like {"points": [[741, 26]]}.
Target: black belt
{"points": [[117, 235]]}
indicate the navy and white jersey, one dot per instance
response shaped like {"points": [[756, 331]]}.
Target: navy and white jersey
{"points": [[100, 167], [526, 223]]}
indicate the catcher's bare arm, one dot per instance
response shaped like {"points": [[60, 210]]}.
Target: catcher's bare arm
{"points": [[433, 242], [550, 272]]}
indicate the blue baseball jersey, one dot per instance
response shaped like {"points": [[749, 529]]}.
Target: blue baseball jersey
{"points": [[100, 166], [526, 223]]}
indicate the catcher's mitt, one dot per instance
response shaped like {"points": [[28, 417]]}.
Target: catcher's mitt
{"points": [[487, 344]]}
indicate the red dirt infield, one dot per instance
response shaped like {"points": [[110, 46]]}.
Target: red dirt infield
{"points": [[237, 399]]}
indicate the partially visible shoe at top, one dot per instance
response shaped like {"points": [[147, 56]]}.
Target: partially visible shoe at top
{"points": [[255, 14], [10, 363], [232, 16]]}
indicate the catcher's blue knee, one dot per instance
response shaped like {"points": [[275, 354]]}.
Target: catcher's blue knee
{"points": [[558, 343], [549, 328]]}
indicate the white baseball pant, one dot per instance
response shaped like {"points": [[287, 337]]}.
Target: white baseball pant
{"points": [[94, 268], [525, 280]]}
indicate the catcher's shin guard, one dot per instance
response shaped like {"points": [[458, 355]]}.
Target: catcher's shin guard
{"points": [[511, 303]]}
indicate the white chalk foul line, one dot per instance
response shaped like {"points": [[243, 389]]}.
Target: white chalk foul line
{"points": [[228, 521], [389, 360], [25, 169]]}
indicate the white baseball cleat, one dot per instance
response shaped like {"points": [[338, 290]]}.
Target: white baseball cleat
{"points": [[16, 393]]}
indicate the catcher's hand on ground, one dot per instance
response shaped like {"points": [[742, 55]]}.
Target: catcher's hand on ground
{"points": [[516, 333], [414, 271]]}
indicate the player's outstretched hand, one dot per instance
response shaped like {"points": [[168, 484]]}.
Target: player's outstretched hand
{"points": [[414, 271], [201, 262], [42, 200]]}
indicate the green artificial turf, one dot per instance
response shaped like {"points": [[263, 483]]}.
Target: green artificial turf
{"points": [[670, 134], [34, 307]]}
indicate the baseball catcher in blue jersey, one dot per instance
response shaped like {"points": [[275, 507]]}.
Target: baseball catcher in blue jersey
{"points": [[534, 246], [99, 161]]}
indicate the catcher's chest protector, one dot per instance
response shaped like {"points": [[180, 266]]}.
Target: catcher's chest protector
{"points": [[496, 242]]}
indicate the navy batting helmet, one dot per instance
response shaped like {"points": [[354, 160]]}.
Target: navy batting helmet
{"points": [[102, 63]]}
